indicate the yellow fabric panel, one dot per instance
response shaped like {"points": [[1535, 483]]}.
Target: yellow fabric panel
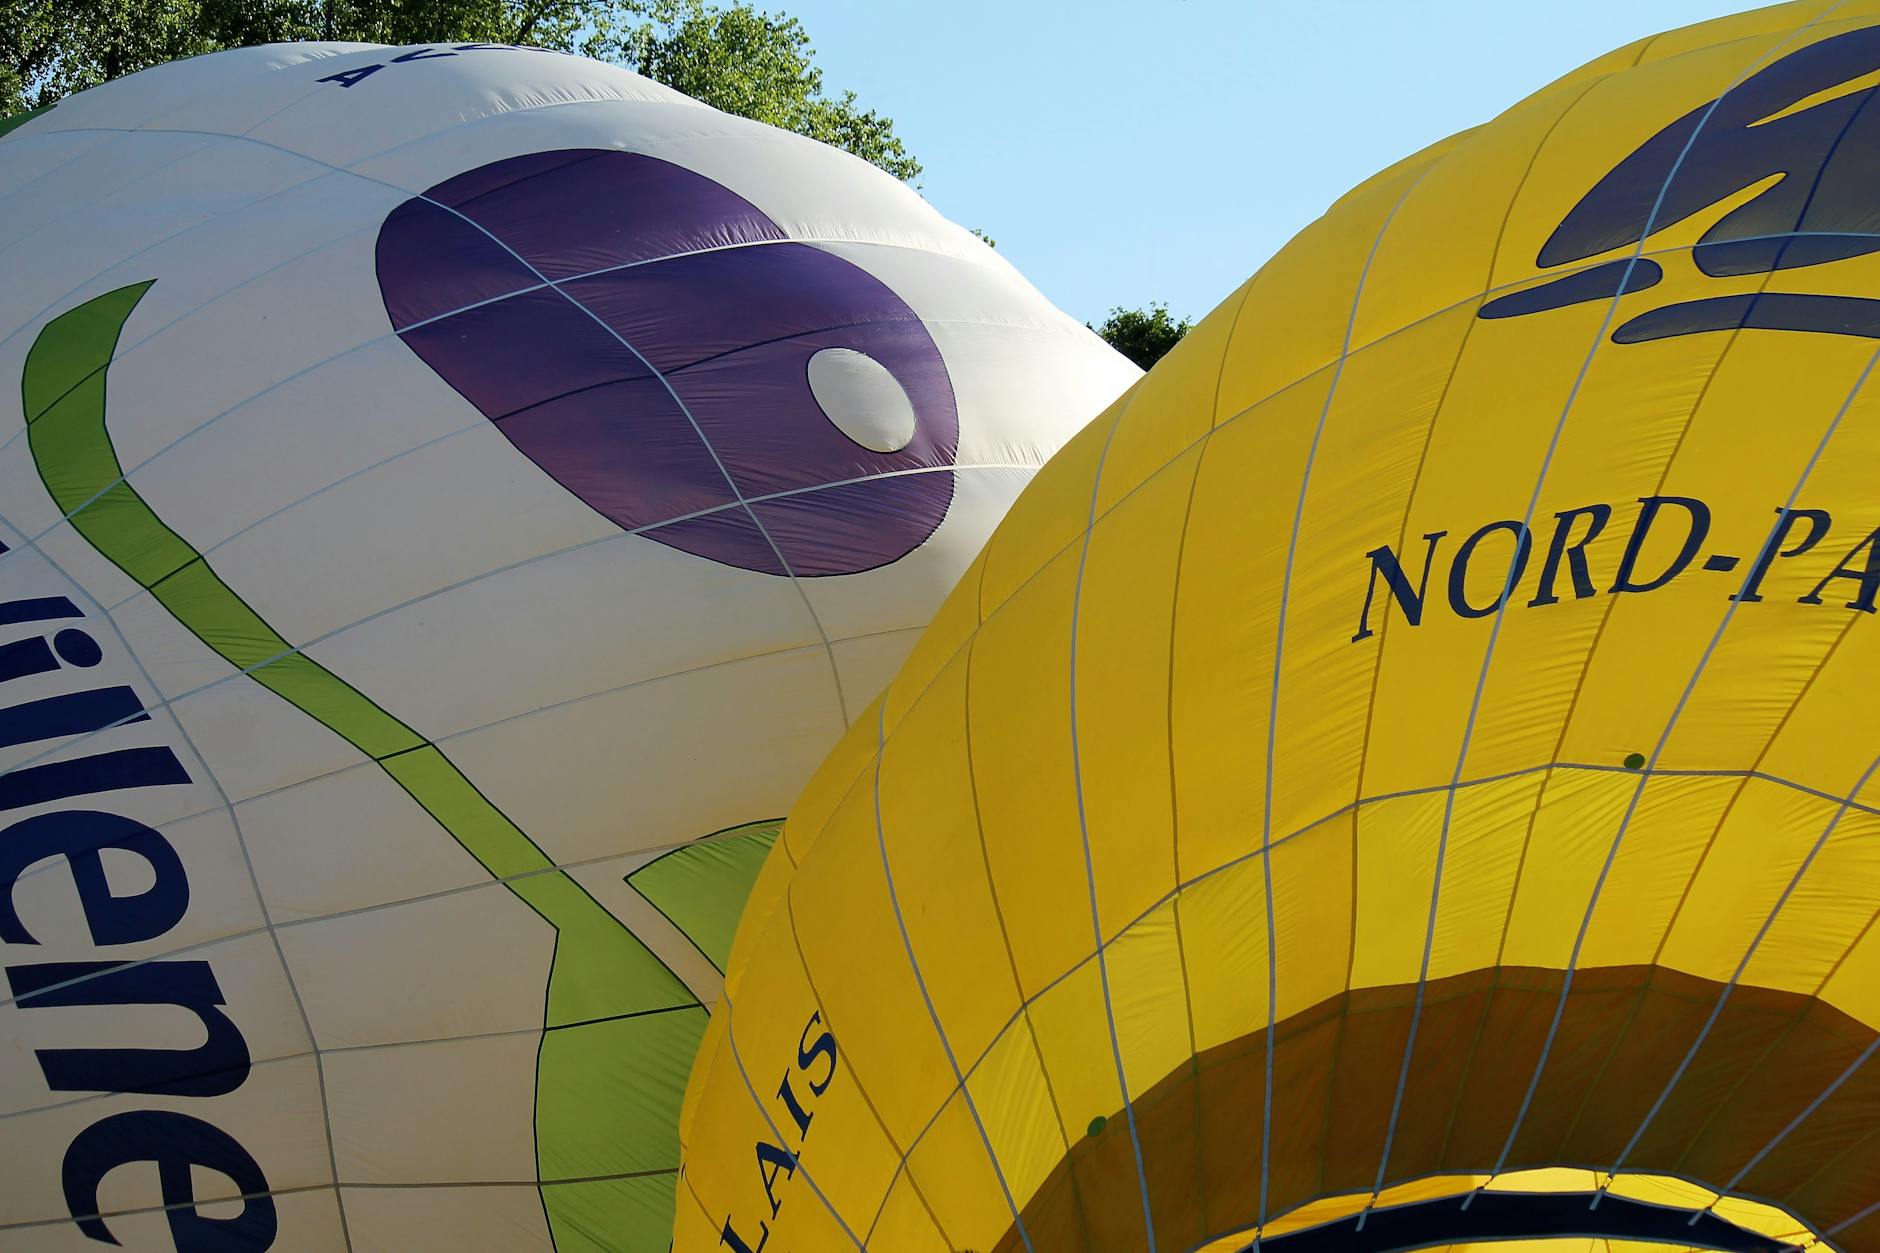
{"points": [[907, 1223], [1854, 984], [1149, 999], [819, 1225], [692, 1225], [724, 1107], [1428, 674], [1764, 1218], [1762, 659], [1659, 850], [930, 825], [1297, 315], [847, 1154], [1372, 434], [1067, 1019], [1313, 883], [1410, 166], [1021, 757], [774, 1025], [1660, 1190], [1756, 852], [1224, 917], [773, 879], [1013, 1097], [1573, 831], [1057, 509], [847, 764], [1124, 626], [1167, 417], [1482, 861], [1778, 19], [1830, 904], [1395, 870], [875, 1008], [957, 1177], [1546, 1179], [1827, 738], [1441, 248], [1223, 681]]}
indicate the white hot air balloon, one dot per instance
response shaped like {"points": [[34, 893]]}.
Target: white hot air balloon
{"points": [[457, 495]]}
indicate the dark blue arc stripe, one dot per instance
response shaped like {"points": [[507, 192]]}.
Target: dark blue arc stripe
{"points": [[1521, 1216], [1757, 311], [1601, 282]]}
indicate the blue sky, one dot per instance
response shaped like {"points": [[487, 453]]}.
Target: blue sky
{"points": [[1161, 150]]}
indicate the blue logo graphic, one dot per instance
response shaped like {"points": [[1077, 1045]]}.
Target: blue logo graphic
{"points": [[1820, 208]]}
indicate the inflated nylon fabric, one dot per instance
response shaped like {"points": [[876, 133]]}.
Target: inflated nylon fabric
{"points": [[1420, 736], [431, 558]]}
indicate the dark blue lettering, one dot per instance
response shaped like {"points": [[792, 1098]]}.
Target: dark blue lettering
{"points": [[1868, 575], [23, 658], [1786, 519], [79, 836], [771, 1161], [806, 1053], [1410, 600], [1700, 527], [798, 1114], [82, 776], [74, 713], [1459, 571], [1574, 554], [34, 655], [37, 609], [352, 78], [729, 1238], [422, 54], [176, 1143], [215, 1068]]}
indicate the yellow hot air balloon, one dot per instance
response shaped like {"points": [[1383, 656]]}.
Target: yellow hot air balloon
{"points": [[1405, 776]]}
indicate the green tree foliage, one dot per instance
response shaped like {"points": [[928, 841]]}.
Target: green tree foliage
{"points": [[50, 48], [1143, 335], [745, 61], [734, 56]]}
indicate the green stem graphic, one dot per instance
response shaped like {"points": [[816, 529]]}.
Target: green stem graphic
{"points": [[701, 887], [620, 1028]]}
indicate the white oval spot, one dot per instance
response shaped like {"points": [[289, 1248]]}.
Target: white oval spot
{"points": [[863, 398]]}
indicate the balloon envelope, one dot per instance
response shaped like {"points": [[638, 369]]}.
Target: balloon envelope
{"points": [[448, 483], [1405, 776]]}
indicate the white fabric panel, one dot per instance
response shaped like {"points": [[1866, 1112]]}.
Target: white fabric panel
{"points": [[309, 841], [500, 632], [494, 1219], [469, 962], [608, 773], [420, 1113]]}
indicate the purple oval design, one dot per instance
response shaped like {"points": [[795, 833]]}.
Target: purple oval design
{"points": [[643, 334]]}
